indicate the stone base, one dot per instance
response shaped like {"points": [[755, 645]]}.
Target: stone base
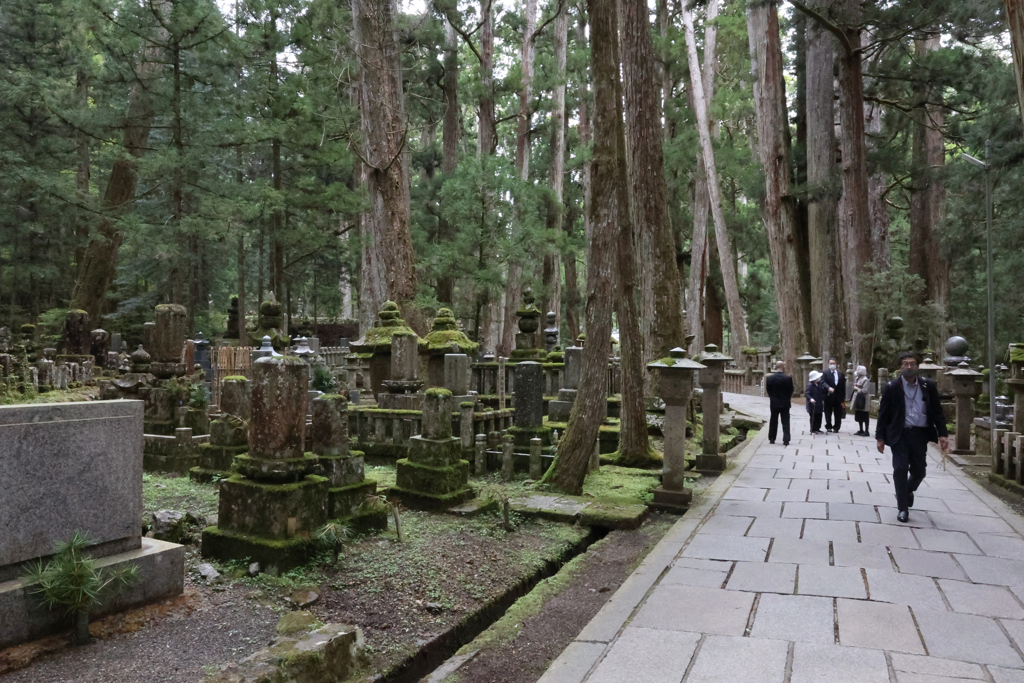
{"points": [[345, 500], [169, 462], [272, 511], [213, 457], [676, 502], [523, 435], [434, 452], [206, 475], [274, 555], [162, 428], [161, 576], [284, 470], [435, 481], [342, 470], [539, 355], [370, 522], [710, 463], [417, 500], [558, 411]]}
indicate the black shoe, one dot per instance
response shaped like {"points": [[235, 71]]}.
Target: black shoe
{"points": [[903, 516], [771, 442], [785, 443], [910, 499]]}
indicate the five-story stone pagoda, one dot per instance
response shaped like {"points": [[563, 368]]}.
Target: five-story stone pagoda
{"points": [[272, 505]]}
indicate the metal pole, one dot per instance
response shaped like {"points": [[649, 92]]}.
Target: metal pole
{"points": [[991, 297]]}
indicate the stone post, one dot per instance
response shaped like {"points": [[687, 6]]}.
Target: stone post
{"points": [[507, 458], [76, 333], [500, 380], [481, 454], [456, 373], [710, 460], [404, 356], [536, 470], [278, 427], [595, 456], [329, 431], [236, 397], [170, 333], [558, 411], [466, 424], [965, 388], [674, 377]]}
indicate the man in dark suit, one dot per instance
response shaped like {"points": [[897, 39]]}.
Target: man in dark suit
{"points": [[909, 416], [835, 383], [779, 387]]}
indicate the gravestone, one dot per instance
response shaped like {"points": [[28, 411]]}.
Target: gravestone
{"points": [[229, 432], [528, 421], [558, 411], [71, 467], [270, 508]]}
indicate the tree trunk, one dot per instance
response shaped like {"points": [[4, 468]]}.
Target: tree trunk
{"points": [[1015, 19], [737, 319], [486, 135], [572, 295], [574, 451], [854, 220], [878, 210], [659, 275], [779, 210], [99, 263], [387, 243], [514, 281], [83, 172], [699, 247], [449, 148], [822, 191], [556, 208], [634, 446]]}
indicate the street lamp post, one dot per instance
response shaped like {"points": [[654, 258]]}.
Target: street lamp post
{"points": [[986, 165]]}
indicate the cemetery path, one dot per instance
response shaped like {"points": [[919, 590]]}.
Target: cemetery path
{"points": [[792, 567]]}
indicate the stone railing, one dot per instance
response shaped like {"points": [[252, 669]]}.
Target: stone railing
{"points": [[334, 356], [733, 381], [1007, 449], [387, 432]]}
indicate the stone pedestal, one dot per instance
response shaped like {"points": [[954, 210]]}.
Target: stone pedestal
{"points": [[710, 459], [558, 411], [966, 388], [269, 510], [675, 387], [456, 374], [434, 476], [528, 420]]}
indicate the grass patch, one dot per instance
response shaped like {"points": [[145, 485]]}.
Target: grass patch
{"points": [[621, 485], [163, 492]]}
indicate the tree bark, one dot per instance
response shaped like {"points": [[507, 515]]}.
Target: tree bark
{"points": [[486, 135], [779, 210], [572, 294], [737, 319], [1015, 19], [99, 263], [928, 196], [854, 220], [823, 191], [449, 148], [387, 242], [659, 275], [574, 451], [556, 207]]}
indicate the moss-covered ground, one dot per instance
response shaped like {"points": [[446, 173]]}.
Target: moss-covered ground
{"points": [[83, 393]]}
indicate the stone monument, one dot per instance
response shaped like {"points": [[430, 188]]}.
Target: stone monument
{"points": [[434, 476], [269, 510], [528, 421], [710, 460], [551, 332], [444, 338], [403, 389], [229, 432], [558, 411], [966, 388], [270, 323], [674, 376], [526, 338], [375, 345]]}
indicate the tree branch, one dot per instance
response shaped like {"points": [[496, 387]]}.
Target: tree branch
{"points": [[834, 29]]}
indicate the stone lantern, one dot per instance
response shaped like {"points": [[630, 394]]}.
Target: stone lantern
{"points": [[675, 387], [930, 370], [966, 388], [803, 366], [710, 460]]}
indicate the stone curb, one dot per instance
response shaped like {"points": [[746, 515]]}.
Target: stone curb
{"points": [[587, 649]]}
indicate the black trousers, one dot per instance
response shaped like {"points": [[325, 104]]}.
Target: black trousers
{"points": [[909, 462], [833, 414], [863, 418], [773, 424], [815, 421]]}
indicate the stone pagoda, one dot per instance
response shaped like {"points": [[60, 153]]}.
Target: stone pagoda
{"points": [[526, 338], [273, 504], [445, 337], [434, 476], [375, 345], [270, 323]]}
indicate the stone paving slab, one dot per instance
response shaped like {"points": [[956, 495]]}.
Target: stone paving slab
{"points": [[792, 567]]}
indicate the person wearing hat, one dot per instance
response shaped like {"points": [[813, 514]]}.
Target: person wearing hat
{"points": [[815, 395]]}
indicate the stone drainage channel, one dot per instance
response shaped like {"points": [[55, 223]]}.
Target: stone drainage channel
{"points": [[438, 649]]}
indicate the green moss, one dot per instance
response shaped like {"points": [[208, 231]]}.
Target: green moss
{"points": [[749, 350], [294, 622], [437, 391], [621, 485], [440, 341], [235, 378], [467, 404], [389, 413], [651, 458], [1016, 353], [277, 488], [271, 543], [333, 397]]}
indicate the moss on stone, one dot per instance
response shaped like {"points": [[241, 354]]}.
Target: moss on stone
{"points": [[294, 622], [235, 378], [467, 404], [610, 516], [438, 391], [333, 397]]}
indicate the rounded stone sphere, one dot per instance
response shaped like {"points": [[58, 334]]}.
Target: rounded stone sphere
{"points": [[956, 346]]}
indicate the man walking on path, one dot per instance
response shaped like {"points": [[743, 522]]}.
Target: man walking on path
{"points": [[909, 416], [835, 381], [779, 387], [815, 395]]}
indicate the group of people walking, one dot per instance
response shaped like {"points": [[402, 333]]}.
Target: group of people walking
{"points": [[909, 416]]}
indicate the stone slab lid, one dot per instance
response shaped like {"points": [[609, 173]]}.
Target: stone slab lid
{"points": [[677, 359], [711, 353], [964, 370]]}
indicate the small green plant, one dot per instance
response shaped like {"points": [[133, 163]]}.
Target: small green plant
{"points": [[324, 381], [72, 580], [496, 493], [197, 398], [332, 537]]}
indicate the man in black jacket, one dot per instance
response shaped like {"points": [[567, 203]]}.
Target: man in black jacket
{"points": [[779, 387], [909, 416], [835, 383]]}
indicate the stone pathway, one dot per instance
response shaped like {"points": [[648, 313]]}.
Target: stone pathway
{"points": [[793, 568]]}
